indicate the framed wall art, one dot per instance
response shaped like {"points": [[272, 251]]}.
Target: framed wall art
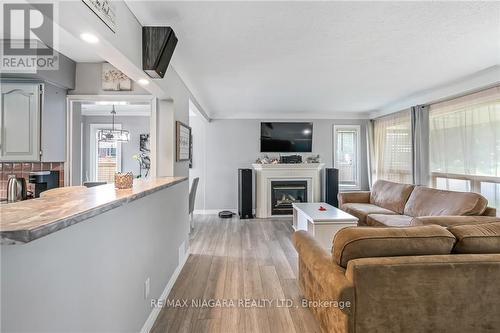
{"points": [[183, 142], [114, 79], [105, 10]]}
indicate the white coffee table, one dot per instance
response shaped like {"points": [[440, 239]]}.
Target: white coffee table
{"points": [[322, 225]]}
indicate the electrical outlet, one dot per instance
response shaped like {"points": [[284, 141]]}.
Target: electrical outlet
{"points": [[146, 288]]}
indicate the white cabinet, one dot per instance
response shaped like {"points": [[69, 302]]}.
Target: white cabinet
{"points": [[20, 121]]}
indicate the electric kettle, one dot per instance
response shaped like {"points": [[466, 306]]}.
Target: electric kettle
{"points": [[16, 189]]}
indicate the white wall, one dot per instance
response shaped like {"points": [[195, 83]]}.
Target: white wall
{"points": [[199, 128], [222, 146], [136, 125]]}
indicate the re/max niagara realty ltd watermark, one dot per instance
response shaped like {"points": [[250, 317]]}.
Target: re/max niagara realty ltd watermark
{"points": [[28, 38], [248, 303]]}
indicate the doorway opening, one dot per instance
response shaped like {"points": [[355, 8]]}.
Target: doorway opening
{"points": [[110, 134]]}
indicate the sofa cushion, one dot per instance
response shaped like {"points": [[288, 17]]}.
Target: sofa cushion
{"points": [[368, 242], [449, 221], [362, 210], [383, 220], [478, 238], [425, 201], [390, 195]]}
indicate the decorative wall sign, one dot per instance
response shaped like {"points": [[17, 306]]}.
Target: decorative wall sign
{"points": [[105, 10], [183, 142], [114, 79]]}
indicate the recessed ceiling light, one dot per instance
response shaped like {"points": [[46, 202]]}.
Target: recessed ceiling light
{"points": [[143, 82], [89, 38]]}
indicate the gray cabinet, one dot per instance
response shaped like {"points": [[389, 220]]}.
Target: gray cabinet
{"points": [[53, 133], [32, 122], [20, 121]]}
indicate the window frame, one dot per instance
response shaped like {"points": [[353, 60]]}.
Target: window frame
{"points": [[94, 128], [357, 130]]}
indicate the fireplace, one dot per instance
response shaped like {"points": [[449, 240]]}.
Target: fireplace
{"points": [[285, 193]]}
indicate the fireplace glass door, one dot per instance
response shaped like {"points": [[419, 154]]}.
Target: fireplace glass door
{"points": [[285, 193]]}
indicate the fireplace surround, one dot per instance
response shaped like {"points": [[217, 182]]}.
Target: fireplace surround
{"points": [[266, 174]]}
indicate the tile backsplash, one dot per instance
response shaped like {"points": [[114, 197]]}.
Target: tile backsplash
{"points": [[22, 169]]}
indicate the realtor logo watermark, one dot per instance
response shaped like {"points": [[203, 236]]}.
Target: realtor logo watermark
{"points": [[28, 37]]}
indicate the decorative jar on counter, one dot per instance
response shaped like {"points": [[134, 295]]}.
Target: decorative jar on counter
{"points": [[123, 180]]}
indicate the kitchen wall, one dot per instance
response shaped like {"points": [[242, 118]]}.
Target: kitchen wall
{"points": [[23, 169], [53, 122], [222, 146], [136, 125]]}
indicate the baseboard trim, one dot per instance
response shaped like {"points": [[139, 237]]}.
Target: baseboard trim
{"points": [[213, 211], [156, 310]]}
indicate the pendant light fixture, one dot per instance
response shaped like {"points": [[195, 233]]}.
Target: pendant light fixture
{"points": [[112, 135]]}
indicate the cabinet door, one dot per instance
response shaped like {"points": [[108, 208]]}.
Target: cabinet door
{"points": [[20, 122], [53, 132]]}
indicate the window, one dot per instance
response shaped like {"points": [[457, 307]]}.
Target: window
{"points": [[393, 148], [347, 154], [107, 160], [465, 144], [105, 157]]}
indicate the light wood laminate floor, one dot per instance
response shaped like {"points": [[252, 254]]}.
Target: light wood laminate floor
{"points": [[233, 259]]}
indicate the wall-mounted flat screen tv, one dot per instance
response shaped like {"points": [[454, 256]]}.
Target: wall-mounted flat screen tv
{"points": [[277, 137]]}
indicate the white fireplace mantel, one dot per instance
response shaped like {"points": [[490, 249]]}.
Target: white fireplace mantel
{"points": [[265, 173]]}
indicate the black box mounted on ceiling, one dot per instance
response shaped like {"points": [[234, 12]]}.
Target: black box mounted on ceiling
{"points": [[158, 44]]}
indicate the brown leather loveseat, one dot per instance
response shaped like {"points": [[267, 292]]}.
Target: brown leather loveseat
{"points": [[408, 279], [395, 204]]}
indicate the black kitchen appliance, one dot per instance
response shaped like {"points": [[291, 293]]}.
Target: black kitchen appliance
{"points": [[43, 181], [245, 193], [332, 186]]}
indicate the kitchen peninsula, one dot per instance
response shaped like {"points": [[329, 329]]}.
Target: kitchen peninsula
{"points": [[112, 250]]}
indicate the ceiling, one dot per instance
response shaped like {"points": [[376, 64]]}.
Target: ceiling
{"points": [[67, 44], [75, 48], [244, 59]]}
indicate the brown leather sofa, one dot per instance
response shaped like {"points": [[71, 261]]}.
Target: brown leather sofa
{"points": [[409, 279], [399, 205]]}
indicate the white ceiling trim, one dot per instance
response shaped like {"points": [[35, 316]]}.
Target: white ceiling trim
{"points": [[304, 115]]}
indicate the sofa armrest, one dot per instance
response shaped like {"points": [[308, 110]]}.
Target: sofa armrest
{"points": [[354, 197], [448, 221], [490, 211], [330, 276]]}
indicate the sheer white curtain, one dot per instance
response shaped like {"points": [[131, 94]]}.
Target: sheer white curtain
{"points": [[393, 148], [465, 144], [465, 135]]}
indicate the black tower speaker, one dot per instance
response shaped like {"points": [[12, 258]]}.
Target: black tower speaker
{"points": [[332, 186], [245, 193]]}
